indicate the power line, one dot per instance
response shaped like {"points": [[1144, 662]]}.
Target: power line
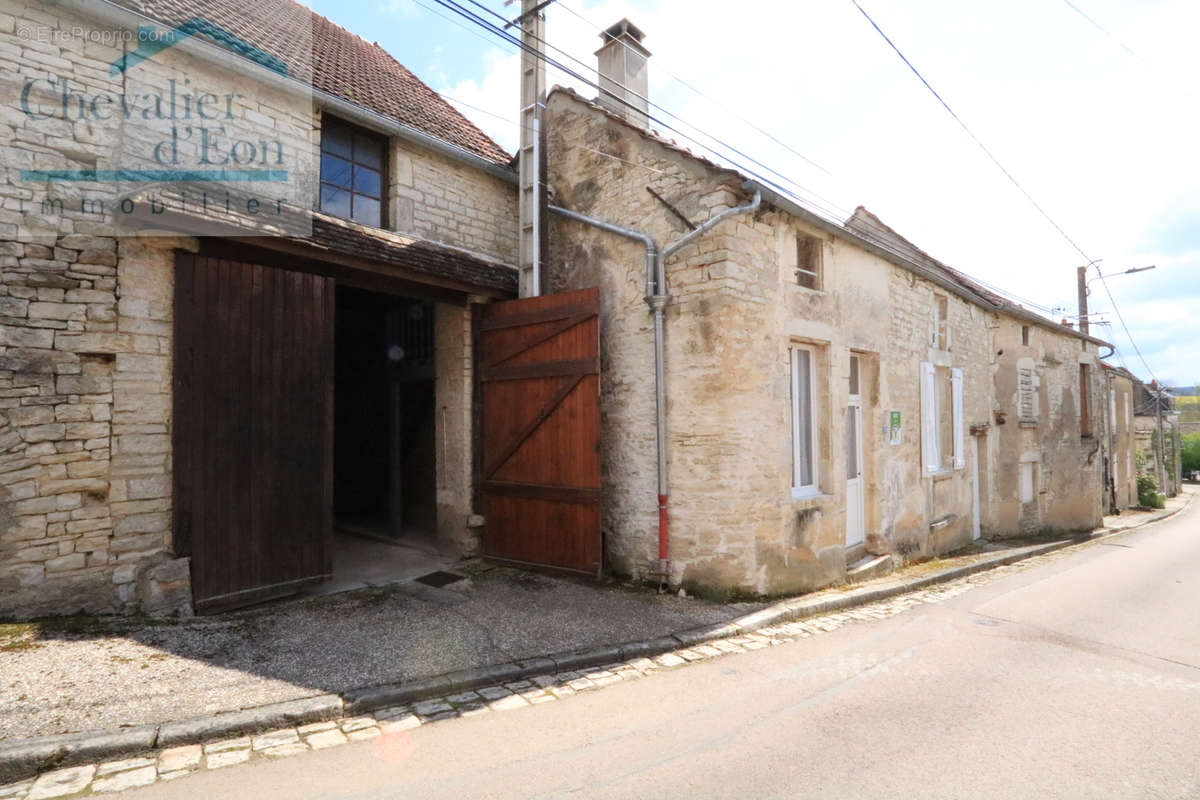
{"points": [[829, 208], [710, 99], [1106, 32], [503, 34], [1007, 174], [974, 138], [880, 238], [591, 68], [1128, 335]]}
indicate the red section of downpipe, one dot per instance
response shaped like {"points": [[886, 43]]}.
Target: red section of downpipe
{"points": [[664, 520]]}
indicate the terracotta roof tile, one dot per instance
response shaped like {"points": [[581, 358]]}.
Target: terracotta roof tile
{"points": [[338, 62]]}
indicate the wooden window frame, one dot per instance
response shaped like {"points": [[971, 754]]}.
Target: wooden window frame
{"points": [[1085, 401], [941, 322], [816, 250], [356, 132]]}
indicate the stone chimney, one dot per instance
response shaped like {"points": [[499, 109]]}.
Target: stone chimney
{"points": [[622, 65]]}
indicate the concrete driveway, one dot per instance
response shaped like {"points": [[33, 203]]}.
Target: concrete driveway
{"points": [[88, 674]]}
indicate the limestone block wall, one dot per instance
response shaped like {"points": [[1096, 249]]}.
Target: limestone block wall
{"points": [[454, 357], [85, 475], [436, 198], [735, 313], [1123, 455], [1067, 467]]}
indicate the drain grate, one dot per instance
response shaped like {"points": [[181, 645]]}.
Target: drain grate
{"points": [[439, 579]]}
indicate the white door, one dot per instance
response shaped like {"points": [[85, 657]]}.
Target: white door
{"points": [[855, 516]]}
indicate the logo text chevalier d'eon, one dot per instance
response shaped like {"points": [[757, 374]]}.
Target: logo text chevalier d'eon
{"points": [[194, 131]]}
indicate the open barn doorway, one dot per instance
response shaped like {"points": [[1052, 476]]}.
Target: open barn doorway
{"points": [[385, 467]]}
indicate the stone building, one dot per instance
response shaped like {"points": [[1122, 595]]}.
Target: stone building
{"points": [[199, 388], [168, 395], [1123, 456], [1157, 437], [833, 393]]}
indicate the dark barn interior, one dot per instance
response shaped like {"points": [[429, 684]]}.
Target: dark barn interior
{"points": [[384, 423]]}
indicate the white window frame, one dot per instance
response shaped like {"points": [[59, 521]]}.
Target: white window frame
{"points": [[956, 383], [931, 411], [814, 488]]}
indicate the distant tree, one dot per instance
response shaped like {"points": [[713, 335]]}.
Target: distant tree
{"points": [[1190, 454]]}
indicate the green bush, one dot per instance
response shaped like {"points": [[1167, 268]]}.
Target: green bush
{"points": [[1148, 493]]}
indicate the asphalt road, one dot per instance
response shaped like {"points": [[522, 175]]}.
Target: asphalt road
{"points": [[1076, 679]]}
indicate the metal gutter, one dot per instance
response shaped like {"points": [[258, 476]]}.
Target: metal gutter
{"points": [[110, 13]]}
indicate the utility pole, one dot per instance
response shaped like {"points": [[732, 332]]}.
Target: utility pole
{"points": [[1162, 442], [533, 98], [1081, 272]]}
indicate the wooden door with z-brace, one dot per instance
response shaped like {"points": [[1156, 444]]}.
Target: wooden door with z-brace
{"points": [[539, 372]]}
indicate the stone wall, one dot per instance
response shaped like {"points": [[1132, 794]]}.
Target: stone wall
{"points": [[1123, 449], [436, 198], [735, 312], [1067, 466], [86, 337]]}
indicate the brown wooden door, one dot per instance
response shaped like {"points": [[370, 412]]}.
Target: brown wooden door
{"points": [[253, 429], [540, 374]]}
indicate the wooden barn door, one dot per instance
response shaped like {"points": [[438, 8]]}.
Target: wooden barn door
{"points": [[539, 364], [252, 429]]}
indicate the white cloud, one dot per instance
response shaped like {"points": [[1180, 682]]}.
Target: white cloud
{"points": [[1103, 141]]}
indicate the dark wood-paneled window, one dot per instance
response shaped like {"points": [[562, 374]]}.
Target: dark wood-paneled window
{"points": [[352, 172], [1085, 400]]}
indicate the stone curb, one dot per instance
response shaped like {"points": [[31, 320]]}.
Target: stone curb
{"points": [[26, 758]]}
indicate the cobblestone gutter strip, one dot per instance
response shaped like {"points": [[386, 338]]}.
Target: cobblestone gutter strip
{"points": [[72, 757]]}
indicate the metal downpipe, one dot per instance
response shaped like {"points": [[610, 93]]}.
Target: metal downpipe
{"points": [[657, 299]]}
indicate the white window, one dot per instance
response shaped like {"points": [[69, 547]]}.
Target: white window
{"points": [[942, 446], [804, 422]]}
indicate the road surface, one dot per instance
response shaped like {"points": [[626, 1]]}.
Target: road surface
{"points": [[1079, 678]]}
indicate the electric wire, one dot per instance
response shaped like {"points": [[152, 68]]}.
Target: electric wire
{"points": [[1106, 32], [829, 211], [969, 132], [1008, 175], [709, 98], [591, 68]]}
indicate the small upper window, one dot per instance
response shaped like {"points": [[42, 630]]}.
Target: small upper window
{"points": [[808, 261], [941, 333], [352, 172], [1025, 335]]}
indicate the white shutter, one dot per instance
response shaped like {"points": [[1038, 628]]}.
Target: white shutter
{"points": [[960, 453], [930, 459]]}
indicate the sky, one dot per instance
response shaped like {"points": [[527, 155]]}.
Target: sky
{"points": [[1091, 105]]}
